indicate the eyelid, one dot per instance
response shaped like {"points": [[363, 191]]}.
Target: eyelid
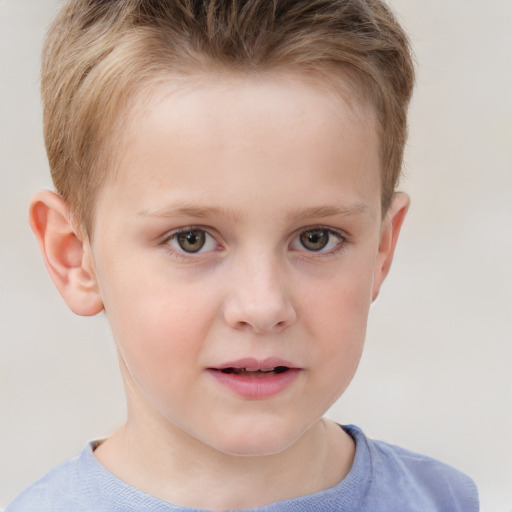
{"points": [[179, 252], [340, 235]]}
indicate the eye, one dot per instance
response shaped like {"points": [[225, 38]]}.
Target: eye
{"points": [[317, 240], [192, 241]]}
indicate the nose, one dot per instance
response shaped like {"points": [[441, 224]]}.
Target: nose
{"points": [[259, 298]]}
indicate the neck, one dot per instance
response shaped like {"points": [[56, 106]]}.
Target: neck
{"points": [[172, 466]]}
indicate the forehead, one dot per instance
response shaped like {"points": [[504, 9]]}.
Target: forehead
{"points": [[249, 88], [261, 126]]}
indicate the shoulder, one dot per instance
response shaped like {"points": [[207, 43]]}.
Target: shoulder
{"points": [[62, 489], [416, 478], [82, 484]]}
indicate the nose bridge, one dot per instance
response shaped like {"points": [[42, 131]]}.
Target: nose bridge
{"points": [[258, 295]]}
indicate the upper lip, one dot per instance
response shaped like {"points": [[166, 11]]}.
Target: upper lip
{"points": [[253, 364]]}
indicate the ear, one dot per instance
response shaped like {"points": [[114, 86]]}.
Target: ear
{"points": [[390, 230], [67, 256]]}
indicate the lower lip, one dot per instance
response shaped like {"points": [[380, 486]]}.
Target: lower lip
{"points": [[256, 388]]}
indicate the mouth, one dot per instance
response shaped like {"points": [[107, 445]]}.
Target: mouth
{"points": [[256, 379], [259, 372]]}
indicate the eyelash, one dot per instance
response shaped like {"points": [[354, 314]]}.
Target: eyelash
{"points": [[340, 244], [180, 253]]}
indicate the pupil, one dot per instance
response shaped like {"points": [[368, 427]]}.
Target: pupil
{"points": [[191, 241], [314, 240]]}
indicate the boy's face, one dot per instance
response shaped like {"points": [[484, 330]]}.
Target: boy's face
{"points": [[241, 231]]}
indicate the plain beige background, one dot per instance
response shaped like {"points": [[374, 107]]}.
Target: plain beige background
{"points": [[436, 376]]}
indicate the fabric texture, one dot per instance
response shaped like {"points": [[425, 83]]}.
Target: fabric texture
{"points": [[383, 478]]}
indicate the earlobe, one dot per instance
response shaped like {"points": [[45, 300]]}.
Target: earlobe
{"points": [[390, 231], [67, 257]]}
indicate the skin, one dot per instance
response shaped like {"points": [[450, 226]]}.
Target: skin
{"points": [[252, 165]]}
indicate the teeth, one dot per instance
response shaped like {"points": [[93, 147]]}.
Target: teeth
{"points": [[276, 369]]}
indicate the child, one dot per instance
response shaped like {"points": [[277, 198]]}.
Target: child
{"points": [[225, 175]]}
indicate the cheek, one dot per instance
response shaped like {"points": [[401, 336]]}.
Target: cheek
{"points": [[155, 329], [342, 321], [341, 301], [341, 330], [337, 317]]}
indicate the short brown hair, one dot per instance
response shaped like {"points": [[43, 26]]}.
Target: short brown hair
{"points": [[99, 53]]}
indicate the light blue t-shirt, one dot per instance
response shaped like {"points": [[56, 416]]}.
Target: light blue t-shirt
{"points": [[383, 478]]}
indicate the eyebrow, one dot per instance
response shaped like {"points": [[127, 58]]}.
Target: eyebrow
{"points": [[190, 210], [319, 212], [177, 210]]}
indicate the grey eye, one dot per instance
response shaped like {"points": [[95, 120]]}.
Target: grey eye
{"points": [[315, 239], [191, 241]]}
